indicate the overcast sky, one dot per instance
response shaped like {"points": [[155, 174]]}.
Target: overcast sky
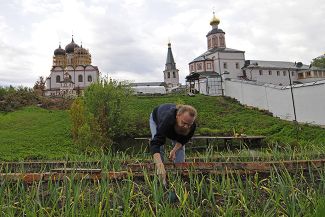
{"points": [[128, 38]]}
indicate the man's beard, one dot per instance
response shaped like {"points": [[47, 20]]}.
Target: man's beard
{"points": [[182, 131]]}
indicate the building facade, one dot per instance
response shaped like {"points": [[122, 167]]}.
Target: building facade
{"points": [[71, 71], [219, 62], [281, 73]]}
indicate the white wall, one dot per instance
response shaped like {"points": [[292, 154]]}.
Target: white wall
{"points": [[231, 59], [309, 99], [149, 89]]}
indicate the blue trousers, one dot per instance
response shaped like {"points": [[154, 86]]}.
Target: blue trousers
{"points": [[180, 153]]}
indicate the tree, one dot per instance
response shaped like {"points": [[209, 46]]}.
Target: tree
{"points": [[106, 109], [39, 86], [319, 62]]}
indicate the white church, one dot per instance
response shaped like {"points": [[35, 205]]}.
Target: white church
{"points": [[71, 71], [210, 69]]}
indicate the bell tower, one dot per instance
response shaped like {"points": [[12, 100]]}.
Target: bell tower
{"points": [[171, 76], [216, 37]]}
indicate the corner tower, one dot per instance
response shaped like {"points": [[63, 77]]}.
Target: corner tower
{"points": [[171, 76]]}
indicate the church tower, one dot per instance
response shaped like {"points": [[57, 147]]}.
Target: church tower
{"points": [[171, 77], [216, 37]]}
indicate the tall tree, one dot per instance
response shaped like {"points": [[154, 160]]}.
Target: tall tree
{"points": [[39, 86], [319, 62]]}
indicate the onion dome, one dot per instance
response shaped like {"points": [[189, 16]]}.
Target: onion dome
{"points": [[59, 51], [214, 20], [80, 50], [70, 47]]}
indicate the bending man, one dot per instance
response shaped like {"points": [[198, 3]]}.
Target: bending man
{"points": [[176, 123]]}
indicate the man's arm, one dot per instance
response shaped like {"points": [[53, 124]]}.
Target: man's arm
{"points": [[159, 140]]}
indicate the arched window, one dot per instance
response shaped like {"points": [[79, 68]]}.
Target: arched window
{"points": [[199, 66], [222, 41], [80, 78], [90, 79], [214, 41], [58, 79], [168, 75], [174, 75]]}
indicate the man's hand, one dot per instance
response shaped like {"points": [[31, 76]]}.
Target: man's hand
{"points": [[161, 172], [172, 153], [160, 168]]}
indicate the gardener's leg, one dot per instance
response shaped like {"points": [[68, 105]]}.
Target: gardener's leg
{"points": [[153, 130], [180, 154]]}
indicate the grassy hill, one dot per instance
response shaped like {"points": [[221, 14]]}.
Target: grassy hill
{"points": [[33, 132], [36, 133], [224, 116]]}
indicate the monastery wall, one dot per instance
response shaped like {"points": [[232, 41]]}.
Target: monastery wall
{"points": [[309, 99]]}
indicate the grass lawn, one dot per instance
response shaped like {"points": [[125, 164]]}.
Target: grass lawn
{"points": [[36, 133], [33, 132], [224, 116]]}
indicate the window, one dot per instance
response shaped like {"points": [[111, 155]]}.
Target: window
{"points": [[237, 65], [319, 74], [213, 42], [277, 73], [293, 73], [270, 72], [192, 68], [222, 41], [261, 72], [199, 66], [90, 79], [80, 78], [168, 75], [323, 73], [208, 65], [300, 75], [174, 75], [284, 73], [224, 65], [308, 74], [58, 79]]}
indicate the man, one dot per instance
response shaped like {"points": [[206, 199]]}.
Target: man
{"points": [[176, 123]]}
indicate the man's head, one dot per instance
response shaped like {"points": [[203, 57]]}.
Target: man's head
{"points": [[185, 118]]}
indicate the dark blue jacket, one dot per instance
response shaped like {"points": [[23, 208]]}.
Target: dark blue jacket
{"points": [[165, 118]]}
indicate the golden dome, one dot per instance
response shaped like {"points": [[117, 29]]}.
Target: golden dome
{"points": [[214, 20]]}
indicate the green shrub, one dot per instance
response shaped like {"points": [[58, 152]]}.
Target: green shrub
{"points": [[77, 115], [104, 108], [13, 98]]}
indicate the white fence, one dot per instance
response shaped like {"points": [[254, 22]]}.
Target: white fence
{"points": [[309, 99]]}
